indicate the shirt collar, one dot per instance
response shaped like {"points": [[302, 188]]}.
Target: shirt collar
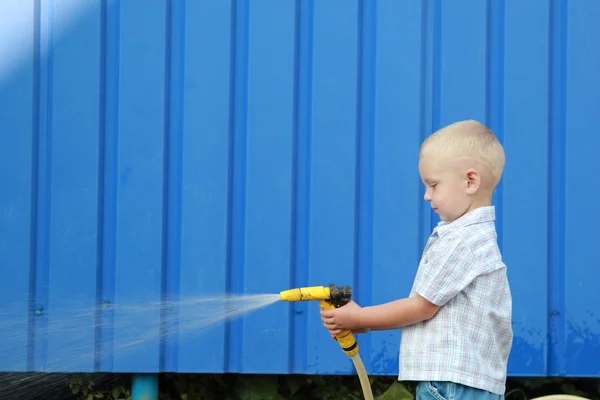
{"points": [[476, 216]]}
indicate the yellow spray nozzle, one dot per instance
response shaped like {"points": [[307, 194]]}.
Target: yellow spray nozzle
{"points": [[329, 297], [306, 293], [336, 296]]}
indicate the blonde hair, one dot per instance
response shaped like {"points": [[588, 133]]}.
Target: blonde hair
{"points": [[472, 141]]}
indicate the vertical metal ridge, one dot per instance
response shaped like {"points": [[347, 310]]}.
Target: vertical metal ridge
{"points": [[437, 64], [166, 188], [172, 183], [100, 191], [44, 181], [556, 200], [35, 165], [166, 183], [363, 224], [495, 90], [295, 190], [429, 109], [230, 175], [237, 200], [110, 166], [301, 195]]}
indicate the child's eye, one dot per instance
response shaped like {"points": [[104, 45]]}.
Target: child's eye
{"points": [[432, 185]]}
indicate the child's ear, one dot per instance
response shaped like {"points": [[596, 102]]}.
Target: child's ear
{"points": [[473, 181]]}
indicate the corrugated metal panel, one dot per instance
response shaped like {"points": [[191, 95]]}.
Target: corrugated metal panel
{"points": [[205, 147]]}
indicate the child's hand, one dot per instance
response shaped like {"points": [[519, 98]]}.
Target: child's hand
{"points": [[344, 318], [355, 331]]}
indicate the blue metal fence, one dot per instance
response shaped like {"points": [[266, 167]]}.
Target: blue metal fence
{"points": [[203, 147]]}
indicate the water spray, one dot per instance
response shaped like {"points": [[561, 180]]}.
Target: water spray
{"points": [[329, 298]]}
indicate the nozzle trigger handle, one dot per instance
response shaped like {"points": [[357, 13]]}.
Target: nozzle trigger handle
{"points": [[345, 339]]}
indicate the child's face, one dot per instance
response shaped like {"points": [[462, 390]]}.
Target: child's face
{"points": [[446, 189]]}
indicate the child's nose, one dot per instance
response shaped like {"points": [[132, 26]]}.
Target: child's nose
{"points": [[427, 195]]}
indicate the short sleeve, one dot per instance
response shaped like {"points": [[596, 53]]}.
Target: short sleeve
{"points": [[446, 269]]}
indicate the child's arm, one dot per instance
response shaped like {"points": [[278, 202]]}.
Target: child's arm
{"points": [[392, 315], [447, 271], [398, 313]]}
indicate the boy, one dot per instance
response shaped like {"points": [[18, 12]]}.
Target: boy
{"points": [[456, 323]]}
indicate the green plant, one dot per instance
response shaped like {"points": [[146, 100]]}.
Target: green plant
{"points": [[303, 387], [98, 387]]}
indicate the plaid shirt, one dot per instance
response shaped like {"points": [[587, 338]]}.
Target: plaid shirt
{"points": [[469, 339]]}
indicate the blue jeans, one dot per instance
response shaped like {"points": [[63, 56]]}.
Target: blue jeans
{"points": [[452, 391]]}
